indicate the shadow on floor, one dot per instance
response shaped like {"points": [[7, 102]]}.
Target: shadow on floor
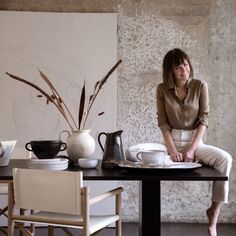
{"points": [[168, 229]]}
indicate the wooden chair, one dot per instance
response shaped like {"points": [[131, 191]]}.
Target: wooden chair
{"points": [[17, 153], [58, 198], [4, 209]]}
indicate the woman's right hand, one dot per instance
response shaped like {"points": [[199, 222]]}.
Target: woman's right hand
{"points": [[177, 157], [174, 154]]}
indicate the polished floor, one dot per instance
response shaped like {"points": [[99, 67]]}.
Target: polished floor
{"points": [[168, 229]]}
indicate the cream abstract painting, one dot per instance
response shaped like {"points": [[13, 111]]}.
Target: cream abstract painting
{"points": [[69, 48]]}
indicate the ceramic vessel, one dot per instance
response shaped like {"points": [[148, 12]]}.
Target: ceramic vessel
{"points": [[113, 151], [80, 144], [6, 148], [45, 149], [153, 157], [88, 163]]}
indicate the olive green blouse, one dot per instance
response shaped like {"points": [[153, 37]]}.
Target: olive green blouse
{"points": [[172, 113]]}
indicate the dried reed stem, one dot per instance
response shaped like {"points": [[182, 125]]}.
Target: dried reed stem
{"points": [[56, 99], [98, 87], [49, 98]]}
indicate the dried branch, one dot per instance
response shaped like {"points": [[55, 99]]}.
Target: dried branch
{"points": [[56, 99], [99, 86], [81, 105], [32, 85], [49, 98], [57, 96]]}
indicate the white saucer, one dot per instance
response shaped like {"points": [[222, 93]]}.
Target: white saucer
{"points": [[49, 167], [48, 161], [48, 164]]}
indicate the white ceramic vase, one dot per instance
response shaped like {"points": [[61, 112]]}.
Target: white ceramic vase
{"points": [[80, 144]]}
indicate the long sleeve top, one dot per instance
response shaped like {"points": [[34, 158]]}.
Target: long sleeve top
{"points": [[187, 114]]}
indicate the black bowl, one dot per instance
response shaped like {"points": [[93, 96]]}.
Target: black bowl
{"points": [[45, 149]]}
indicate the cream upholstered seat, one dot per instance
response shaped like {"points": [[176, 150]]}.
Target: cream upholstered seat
{"points": [[58, 198], [18, 153]]}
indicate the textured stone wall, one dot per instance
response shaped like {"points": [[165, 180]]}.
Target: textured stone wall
{"points": [[147, 29]]}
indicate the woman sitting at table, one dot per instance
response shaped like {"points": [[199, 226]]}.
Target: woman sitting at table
{"points": [[182, 109]]}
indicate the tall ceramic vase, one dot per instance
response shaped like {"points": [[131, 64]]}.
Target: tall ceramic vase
{"points": [[80, 144]]}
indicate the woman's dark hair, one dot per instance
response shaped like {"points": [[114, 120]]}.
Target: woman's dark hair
{"points": [[174, 57]]}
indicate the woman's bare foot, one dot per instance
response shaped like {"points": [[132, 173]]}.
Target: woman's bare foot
{"points": [[212, 214], [211, 225]]}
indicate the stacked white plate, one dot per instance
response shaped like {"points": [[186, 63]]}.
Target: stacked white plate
{"points": [[48, 164]]}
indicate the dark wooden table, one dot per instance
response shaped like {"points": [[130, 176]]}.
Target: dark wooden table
{"points": [[150, 186]]}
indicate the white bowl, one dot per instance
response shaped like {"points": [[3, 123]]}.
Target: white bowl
{"points": [[6, 148], [88, 163]]}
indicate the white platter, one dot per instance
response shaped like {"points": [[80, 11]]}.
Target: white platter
{"points": [[169, 166]]}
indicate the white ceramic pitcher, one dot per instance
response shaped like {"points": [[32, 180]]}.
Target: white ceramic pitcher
{"points": [[80, 144]]}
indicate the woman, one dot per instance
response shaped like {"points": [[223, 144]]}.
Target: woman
{"points": [[183, 107]]}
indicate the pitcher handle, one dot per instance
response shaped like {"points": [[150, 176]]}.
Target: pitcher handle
{"points": [[99, 141], [62, 132]]}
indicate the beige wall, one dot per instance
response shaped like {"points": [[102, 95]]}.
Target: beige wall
{"points": [[206, 29]]}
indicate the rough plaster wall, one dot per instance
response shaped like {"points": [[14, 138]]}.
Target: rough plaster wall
{"points": [[223, 83], [143, 41], [206, 29]]}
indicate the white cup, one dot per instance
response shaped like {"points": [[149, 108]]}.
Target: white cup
{"points": [[152, 157]]}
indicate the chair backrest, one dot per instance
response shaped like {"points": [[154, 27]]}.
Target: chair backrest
{"points": [[47, 190]]}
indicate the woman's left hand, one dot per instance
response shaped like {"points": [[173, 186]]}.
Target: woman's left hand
{"points": [[189, 156]]}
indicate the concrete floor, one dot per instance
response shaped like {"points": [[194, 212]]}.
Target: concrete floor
{"points": [[168, 229]]}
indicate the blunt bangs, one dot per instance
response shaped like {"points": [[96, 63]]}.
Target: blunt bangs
{"points": [[174, 57]]}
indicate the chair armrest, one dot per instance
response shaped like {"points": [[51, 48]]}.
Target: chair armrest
{"points": [[105, 195]]}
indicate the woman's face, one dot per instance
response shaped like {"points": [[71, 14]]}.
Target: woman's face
{"points": [[181, 72]]}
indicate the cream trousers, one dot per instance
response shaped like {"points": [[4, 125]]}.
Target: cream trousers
{"points": [[209, 155]]}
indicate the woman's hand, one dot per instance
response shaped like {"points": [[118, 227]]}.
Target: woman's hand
{"points": [[177, 157], [174, 154], [189, 156]]}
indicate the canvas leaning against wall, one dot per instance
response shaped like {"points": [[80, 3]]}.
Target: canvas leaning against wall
{"points": [[69, 48]]}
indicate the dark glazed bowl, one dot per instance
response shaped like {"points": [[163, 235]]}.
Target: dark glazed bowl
{"points": [[45, 149]]}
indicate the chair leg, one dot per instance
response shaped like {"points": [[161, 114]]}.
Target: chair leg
{"points": [[10, 209], [118, 228], [23, 230], [3, 231], [3, 213], [22, 212], [32, 226], [50, 230], [118, 212]]}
